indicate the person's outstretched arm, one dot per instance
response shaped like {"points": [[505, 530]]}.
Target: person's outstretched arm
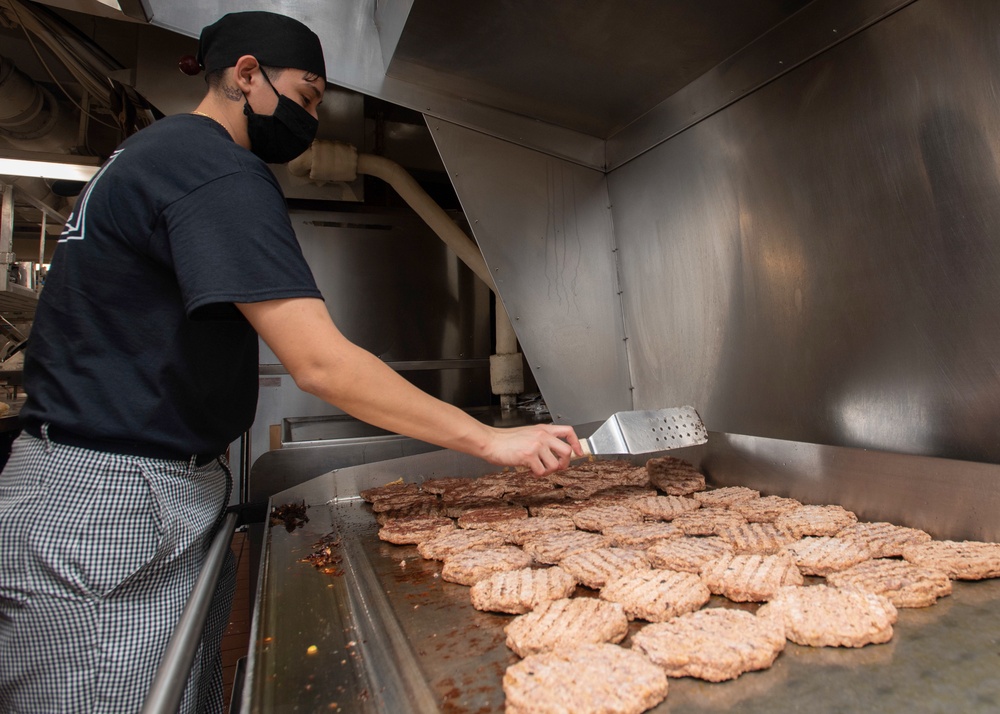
{"points": [[326, 364]]}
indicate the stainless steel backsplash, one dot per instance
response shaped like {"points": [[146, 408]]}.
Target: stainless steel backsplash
{"points": [[817, 262]]}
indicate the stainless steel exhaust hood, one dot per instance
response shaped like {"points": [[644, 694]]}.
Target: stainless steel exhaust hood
{"points": [[561, 76]]}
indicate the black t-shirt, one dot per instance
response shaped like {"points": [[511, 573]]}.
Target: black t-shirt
{"points": [[136, 337]]}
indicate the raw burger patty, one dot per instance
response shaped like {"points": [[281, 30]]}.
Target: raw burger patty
{"points": [[714, 644], [822, 555], [520, 591], [965, 560], [473, 565], [884, 540], [402, 531], [566, 622], [688, 554], [905, 584], [750, 578], [816, 520], [594, 568], [674, 476], [821, 616], [553, 547], [458, 541], [588, 679], [657, 595]]}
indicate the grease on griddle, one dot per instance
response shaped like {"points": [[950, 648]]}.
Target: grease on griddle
{"points": [[291, 515], [325, 556]]}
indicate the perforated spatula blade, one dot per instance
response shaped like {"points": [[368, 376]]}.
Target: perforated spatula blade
{"points": [[644, 432]]}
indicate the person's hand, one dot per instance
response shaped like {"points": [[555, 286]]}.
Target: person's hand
{"points": [[543, 448]]}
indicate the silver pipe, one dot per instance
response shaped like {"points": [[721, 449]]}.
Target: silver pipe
{"points": [[335, 161], [172, 675], [6, 232]]}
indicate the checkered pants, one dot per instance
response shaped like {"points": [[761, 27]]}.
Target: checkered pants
{"points": [[98, 555]]}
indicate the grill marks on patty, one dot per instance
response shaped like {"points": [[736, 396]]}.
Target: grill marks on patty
{"points": [[726, 496], [659, 558], [640, 536], [821, 616], [765, 509], [471, 566], [458, 541], [687, 553], [520, 591], [588, 679], [594, 568], [714, 644], [403, 531], [674, 476], [666, 508], [962, 560], [522, 530], [884, 540], [566, 622], [551, 548], [816, 520], [707, 521], [822, 555], [761, 538], [597, 518], [750, 578], [656, 595], [905, 584], [491, 516]]}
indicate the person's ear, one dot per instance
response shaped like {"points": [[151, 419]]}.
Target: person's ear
{"points": [[244, 71]]}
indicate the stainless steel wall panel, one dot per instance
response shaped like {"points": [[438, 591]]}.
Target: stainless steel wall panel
{"points": [[544, 227], [949, 499], [819, 261], [810, 31]]}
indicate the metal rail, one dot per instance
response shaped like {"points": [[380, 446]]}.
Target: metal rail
{"points": [[171, 677]]}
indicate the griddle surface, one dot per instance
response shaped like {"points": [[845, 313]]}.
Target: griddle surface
{"points": [[389, 635]]}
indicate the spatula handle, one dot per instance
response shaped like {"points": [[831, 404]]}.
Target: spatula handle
{"points": [[587, 451]]}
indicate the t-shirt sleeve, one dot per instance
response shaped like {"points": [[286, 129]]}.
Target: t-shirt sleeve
{"points": [[231, 240]]}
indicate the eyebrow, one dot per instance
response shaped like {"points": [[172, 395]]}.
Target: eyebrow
{"points": [[316, 90]]}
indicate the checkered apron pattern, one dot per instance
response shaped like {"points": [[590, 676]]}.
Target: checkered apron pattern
{"points": [[98, 555]]}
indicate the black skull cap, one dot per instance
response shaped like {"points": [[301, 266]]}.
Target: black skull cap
{"points": [[275, 40]]}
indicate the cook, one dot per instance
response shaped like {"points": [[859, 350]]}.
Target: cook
{"points": [[142, 368]]}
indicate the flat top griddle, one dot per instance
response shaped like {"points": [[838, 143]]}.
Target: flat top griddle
{"points": [[384, 633]]}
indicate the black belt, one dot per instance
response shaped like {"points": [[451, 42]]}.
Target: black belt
{"points": [[114, 446]]}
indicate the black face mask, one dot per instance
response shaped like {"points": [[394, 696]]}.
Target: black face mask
{"points": [[279, 137]]}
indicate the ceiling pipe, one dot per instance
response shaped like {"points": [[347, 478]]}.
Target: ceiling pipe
{"points": [[335, 161], [26, 110], [31, 121]]}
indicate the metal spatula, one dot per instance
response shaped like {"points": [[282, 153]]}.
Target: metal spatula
{"points": [[644, 432]]}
